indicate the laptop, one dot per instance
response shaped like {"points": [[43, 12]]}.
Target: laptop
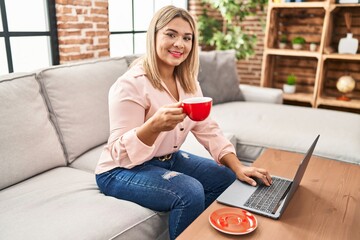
{"points": [[267, 201]]}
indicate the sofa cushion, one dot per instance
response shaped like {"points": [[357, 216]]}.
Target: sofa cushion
{"points": [[131, 58], [261, 94], [77, 96], [65, 203], [291, 128], [29, 144], [88, 160], [218, 76]]}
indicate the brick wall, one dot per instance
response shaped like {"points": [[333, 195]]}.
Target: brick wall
{"points": [[83, 30], [249, 70], [83, 33]]}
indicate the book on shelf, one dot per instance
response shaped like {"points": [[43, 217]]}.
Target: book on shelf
{"points": [[347, 1]]}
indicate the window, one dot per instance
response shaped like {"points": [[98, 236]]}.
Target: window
{"points": [[128, 23], [28, 35]]}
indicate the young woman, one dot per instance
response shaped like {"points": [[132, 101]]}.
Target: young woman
{"points": [[142, 161]]}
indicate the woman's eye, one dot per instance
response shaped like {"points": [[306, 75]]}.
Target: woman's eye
{"points": [[187, 38], [171, 35]]}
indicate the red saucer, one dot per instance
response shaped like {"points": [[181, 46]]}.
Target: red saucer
{"points": [[234, 221]]}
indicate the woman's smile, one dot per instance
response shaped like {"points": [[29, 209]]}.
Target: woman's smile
{"points": [[176, 54]]}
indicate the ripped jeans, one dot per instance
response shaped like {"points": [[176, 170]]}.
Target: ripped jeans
{"points": [[184, 185]]}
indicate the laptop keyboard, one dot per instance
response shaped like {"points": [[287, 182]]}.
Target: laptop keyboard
{"points": [[266, 198]]}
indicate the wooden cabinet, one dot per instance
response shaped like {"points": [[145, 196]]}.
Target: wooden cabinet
{"points": [[322, 23]]}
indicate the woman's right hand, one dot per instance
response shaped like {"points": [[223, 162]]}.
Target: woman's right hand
{"points": [[167, 117]]}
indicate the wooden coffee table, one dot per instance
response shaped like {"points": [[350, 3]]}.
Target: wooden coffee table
{"points": [[325, 206]]}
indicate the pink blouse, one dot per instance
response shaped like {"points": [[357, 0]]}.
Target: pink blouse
{"points": [[132, 101]]}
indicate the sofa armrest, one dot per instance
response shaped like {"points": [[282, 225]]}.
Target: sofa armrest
{"points": [[261, 94]]}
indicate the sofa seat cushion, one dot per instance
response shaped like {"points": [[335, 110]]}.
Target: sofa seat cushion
{"points": [[292, 128], [65, 203], [29, 144], [88, 160], [77, 96]]}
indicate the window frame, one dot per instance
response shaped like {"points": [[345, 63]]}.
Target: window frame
{"points": [[51, 33], [134, 32]]}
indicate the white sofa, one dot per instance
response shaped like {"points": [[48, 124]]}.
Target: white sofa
{"points": [[54, 123]]}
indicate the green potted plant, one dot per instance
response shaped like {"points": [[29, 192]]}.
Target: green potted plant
{"points": [[290, 85], [226, 33], [282, 41], [298, 42], [207, 26]]}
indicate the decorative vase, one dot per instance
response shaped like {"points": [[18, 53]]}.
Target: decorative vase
{"points": [[289, 88], [313, 47], [348, 45]]}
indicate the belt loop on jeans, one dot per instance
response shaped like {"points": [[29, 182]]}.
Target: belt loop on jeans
{"points": [[165, 157]]}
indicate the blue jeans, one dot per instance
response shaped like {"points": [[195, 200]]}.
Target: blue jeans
{"points": [[184, 185]]}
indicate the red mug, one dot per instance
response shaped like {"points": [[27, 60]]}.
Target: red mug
{"points": [[197, 108]]}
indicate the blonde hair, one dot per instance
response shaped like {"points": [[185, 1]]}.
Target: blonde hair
{"points": [[187, 71]]}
